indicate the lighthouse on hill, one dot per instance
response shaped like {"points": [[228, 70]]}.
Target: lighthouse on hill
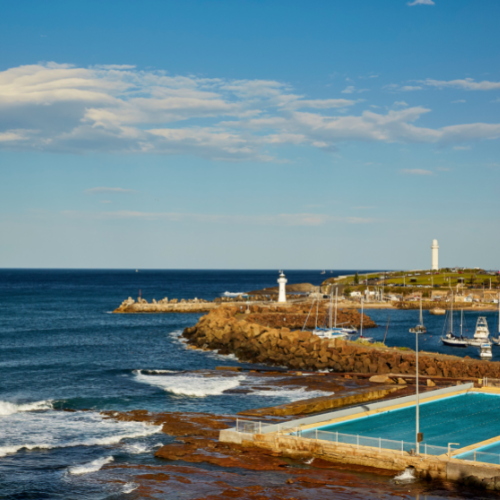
{"points": [[435, 259]]}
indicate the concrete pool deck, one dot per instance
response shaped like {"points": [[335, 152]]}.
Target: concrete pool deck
{"points": [[287, 438]]}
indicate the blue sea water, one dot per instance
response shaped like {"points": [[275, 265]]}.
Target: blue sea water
{"points": [[61, 348]]}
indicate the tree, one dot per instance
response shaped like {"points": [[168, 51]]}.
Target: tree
{"points": [[356, 279]]}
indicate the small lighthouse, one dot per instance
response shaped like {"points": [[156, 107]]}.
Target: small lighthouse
{"points": [[435, 250], [282, 281]]}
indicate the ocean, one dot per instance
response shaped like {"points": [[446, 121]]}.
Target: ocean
{"points": [[61, 348]]}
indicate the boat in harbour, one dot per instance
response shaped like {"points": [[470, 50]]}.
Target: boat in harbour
{"points": [[420, 328], [330, 332], [482, 333], [366, 339], [485, 350], [450, 339]]}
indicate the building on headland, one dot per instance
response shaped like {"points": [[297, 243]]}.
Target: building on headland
{"points": [[282, 281], [435, 256]]}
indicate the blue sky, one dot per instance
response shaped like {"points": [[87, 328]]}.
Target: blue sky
{"points": [[249, 134]]}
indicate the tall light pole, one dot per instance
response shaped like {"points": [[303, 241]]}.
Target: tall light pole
{"points": [[418, 435]]}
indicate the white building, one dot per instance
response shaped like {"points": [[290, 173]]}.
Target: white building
{"points": [[435, 256], [282, 281]]}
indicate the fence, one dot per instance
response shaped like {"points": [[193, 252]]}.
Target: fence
{"points": [[491, 382], [248, 426], [480, 456], [253, 427], [372, 442]]}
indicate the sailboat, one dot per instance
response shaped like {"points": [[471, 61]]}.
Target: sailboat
{"points": [[338, 329], [496, 340], [367, 339], [331, 332], [420, 328], [450, 338]]}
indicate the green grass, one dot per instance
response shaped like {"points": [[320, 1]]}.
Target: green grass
{"points": [[443, 279]]}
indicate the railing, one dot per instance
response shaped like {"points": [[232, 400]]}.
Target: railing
{"points": [[480, 456], [491, 382], [255, 427], [248, 426]]}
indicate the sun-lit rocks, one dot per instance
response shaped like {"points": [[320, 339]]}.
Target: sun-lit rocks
{"points": [[267, 335]]}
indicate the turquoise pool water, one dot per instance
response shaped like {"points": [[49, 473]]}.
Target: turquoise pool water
{"points": [[465, 419]]}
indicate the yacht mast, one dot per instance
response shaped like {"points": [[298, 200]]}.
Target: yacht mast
{"points": [[421, 316], [336, 295], [331, 307], [451, 317]]}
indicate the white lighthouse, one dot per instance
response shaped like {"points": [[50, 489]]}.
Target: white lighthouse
{"points": [[282, 281], [435, 250]]}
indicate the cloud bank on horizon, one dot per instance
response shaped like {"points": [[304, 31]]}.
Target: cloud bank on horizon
{"points": [[120, 109]]}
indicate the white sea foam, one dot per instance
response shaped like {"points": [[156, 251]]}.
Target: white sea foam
{"points": [[7, 408], [93, 466], [153, 372], [407, 475], [129, 488], [233, 294], [292, 394], [138, 448], [177, 336], [58, 429], [190, 384]]}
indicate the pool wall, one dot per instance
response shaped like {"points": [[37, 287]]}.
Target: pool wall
{"points": [[326, 418]]}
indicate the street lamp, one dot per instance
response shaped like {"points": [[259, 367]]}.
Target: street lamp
{"points": [[419, 436]]}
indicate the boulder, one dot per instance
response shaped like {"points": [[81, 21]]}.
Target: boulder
{"points": [[430, 383], [381, 379]]}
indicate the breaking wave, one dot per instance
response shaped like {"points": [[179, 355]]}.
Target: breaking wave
{"points": [[7, 408], [292, 394], [138, 448], [93, 466], [129, 488], [191, 385], [233, 294], [59, 429]]}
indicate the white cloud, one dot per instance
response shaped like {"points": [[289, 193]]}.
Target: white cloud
{"points": [[410, 88], [300, 219], [465, 84], [421, 2], [119, 109], [107, 190], [400, 103], [416, 171], [349, 90]]}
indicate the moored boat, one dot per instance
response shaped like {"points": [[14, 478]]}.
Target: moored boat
{"points": [[482, 333], [437, 311], [485, 350], [450, 339]]}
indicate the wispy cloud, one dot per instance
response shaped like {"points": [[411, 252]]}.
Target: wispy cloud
{"points": [[108, 190], [300, 219], [458, 101], [416, 171], [421, 2], [351, 89], [119, 109], [461, 148], [400, 103], [465, 84]]}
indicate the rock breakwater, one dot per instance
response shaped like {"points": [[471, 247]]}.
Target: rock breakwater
{"points": [[256, 338]]}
